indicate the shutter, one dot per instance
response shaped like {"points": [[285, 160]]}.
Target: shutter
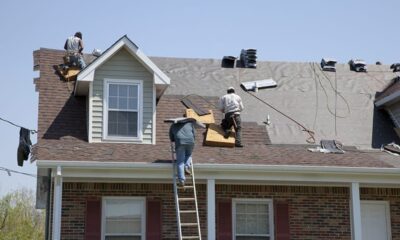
{"points": [[224, 219], [153, 220], [282, 227], [93, 219]]}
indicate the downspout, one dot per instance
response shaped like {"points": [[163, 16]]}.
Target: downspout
{"points": [[47, 228]]}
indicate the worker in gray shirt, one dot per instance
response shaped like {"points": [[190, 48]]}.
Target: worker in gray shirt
{"points": [[183, 134]]}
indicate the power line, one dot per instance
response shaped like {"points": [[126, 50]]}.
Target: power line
{"points": [[16, 125], [9, 171]]}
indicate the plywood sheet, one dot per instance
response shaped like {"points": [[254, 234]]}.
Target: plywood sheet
{"points": [[215, 137], [206, 119]]}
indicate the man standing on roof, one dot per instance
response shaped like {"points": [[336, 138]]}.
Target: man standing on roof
{"points": [[231, 104], [183, 134], [74, 47]]}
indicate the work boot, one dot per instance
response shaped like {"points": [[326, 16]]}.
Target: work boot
{"points": [[227, 133], [239, 145], [181, 183]]}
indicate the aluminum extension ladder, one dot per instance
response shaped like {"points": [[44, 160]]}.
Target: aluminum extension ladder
{"points": [[187, 211]]}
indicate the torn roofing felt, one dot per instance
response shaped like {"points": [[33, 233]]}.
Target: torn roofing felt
{"points": [[335, 105]]}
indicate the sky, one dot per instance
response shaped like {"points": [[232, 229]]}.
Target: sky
{"points": [[284, 30]]}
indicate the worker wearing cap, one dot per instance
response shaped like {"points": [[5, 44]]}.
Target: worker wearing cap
{"points": [[231, 105]]}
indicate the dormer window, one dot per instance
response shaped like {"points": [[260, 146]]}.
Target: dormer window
{"points": [[122, 110]]}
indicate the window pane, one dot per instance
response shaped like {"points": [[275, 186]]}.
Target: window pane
{"points": [[123, 225], [251, 219], [133, 91], [123, 103], [122, 123], [123, 217], [133, 104], [113, 102], [122, 90], [113, 90]]}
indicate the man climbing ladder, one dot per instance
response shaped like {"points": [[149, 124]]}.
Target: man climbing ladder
{"points": [[182, 133]]}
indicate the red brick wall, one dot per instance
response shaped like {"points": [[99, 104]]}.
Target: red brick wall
{"points": [[75, 195], [315, 212]]}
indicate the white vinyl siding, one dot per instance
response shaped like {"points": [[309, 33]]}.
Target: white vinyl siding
{"points": [[123, 218], [252, 219], [122, 66]]}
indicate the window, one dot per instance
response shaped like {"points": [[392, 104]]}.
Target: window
{"points": [[252, 219], [122, 109], [123, 218]]}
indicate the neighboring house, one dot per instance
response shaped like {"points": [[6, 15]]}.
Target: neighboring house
{"points": [[106, 147]]}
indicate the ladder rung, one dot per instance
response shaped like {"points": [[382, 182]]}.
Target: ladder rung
{"points": [[190, 237], [186, 199], [188, 224], [188, 211]]}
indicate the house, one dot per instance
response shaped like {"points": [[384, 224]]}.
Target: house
{"points": [[111, 178]]}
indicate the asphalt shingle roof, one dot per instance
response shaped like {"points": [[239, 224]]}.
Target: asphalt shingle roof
{"points": [[62, 133]]}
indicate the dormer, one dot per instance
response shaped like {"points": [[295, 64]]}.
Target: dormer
{"points": [[121, 87]]}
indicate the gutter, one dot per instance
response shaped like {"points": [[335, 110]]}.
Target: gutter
{"points": [[218, 167]]}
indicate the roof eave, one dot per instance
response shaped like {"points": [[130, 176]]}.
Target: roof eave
{"points": [[228, 172], [388, 99]]}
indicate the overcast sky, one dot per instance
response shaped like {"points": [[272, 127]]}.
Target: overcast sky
{"points": [[300, 31]]}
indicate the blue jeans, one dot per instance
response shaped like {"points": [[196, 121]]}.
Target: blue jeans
{"points": [[183, 159]]}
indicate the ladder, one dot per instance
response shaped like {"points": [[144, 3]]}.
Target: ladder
{"points": [[187, 212]]}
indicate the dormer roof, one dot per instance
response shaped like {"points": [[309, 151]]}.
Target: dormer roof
{"points": [[86, 76]]}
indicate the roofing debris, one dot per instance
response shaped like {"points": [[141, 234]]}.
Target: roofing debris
{"points": [[328, 64], [391, 148], [258, 84], [358, 65], [328, 146]]}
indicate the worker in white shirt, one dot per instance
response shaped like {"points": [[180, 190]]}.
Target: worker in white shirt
{"points": [[231, 105]]}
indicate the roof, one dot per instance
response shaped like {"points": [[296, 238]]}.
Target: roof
{"points": [[62, 128], [161, 80]]}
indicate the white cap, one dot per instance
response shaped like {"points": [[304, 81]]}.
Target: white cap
{"points": [[231, 88]]}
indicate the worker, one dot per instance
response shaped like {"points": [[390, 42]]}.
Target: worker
{"points": [[183, 134], [231, 105], [74, 47]]}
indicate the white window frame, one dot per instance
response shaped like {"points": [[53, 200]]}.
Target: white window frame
{"points": [[103, 216], [269, 202], [138, 83]]}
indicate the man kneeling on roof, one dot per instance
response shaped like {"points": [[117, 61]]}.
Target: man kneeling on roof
{"points": [[74, 47], [231, 104]]}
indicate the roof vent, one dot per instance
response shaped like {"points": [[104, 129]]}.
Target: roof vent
{"points": [[228, 62], [395, 67], [96, 52], [328, 64], [358, 65], [248, 58]]}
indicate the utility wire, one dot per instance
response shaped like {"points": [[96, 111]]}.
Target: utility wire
{"points": [[16, 125], [9, 171]]}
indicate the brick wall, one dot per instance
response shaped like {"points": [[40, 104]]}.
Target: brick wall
{"points": [[75, 195], [315, 212]]}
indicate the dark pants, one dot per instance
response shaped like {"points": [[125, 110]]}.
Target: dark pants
{"points": [[232, 119]]}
